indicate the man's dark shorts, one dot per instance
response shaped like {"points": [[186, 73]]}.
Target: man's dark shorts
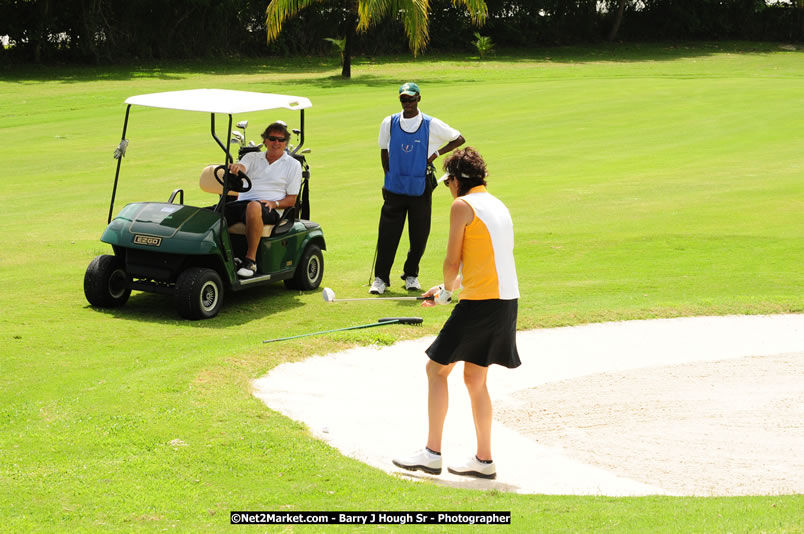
{"points": [[235, 212]]}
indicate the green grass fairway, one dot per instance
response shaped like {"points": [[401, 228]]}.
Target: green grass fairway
{"points": [[644, 181]]}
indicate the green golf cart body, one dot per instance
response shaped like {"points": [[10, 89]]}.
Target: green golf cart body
{"points": [[189, 252]]}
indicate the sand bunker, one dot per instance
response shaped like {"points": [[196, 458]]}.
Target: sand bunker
{"points": [[732, 427], [697, 406]]}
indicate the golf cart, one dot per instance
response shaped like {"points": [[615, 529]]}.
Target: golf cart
{"points": [[190, 252]]}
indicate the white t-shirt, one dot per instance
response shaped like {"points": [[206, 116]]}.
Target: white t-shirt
{"points": [[440, 132], [272, 181]]}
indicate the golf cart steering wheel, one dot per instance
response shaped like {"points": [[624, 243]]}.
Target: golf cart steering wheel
{"points": [[234, 185]]}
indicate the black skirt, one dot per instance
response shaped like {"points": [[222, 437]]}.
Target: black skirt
{"points": [[481, 332]]}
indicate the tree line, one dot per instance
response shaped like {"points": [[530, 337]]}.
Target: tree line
{"points": [[108, 31]]}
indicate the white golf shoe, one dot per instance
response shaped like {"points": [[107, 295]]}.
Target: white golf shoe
{"points": [[422, 460], [378, 287], [412, 283], [247, 269], [474, 468]]}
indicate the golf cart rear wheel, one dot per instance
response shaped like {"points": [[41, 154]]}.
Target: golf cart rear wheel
{"points": [[106, 284], [310, 270], [199, 293]]}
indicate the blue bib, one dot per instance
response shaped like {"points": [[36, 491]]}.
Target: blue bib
{"points": [[407, 158]]}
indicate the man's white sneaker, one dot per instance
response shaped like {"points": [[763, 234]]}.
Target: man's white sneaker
{"points": [[422, 460], [378, 287], [412, 283], [474, 468], [247, 269]]}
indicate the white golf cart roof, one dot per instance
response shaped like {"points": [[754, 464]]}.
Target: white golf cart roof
{"points": [[219, 101]]}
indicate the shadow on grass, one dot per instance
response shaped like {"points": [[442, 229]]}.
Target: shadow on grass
{"points": [[238, 307], [328, 69]]}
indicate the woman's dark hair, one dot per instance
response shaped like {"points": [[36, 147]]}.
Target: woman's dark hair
{"points": [[467, 166]]}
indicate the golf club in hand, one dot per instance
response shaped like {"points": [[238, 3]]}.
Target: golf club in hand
{"points": [[329, 296]]}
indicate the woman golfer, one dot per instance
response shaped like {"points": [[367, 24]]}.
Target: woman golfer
{"points": [[482, 328]]}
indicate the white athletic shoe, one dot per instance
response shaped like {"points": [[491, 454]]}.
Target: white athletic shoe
{"points": [[422, 460], [474, 468], [247, 269], [412, 283], [378, 287]]}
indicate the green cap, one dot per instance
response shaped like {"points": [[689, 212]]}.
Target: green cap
{"points": [[410, 89]]}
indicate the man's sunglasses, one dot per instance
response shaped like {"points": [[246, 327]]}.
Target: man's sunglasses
{"points": [[274, 138], [407, 99]]}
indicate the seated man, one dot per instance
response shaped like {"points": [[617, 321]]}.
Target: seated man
{"points": [[276, 180]]}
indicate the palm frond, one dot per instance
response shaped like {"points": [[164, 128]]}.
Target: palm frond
{"points": [[278, 11], [414, 15], [416, 20], [478, 10], [371, 11]]}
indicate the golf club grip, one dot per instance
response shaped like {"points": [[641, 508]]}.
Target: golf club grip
{"points": [[402, 320], [431, 297]]}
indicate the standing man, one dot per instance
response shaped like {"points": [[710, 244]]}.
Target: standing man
{"points": [[276, 179], [409, 142]]}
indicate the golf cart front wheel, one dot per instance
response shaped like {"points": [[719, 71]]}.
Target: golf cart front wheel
{"points": [[106, 284], [310, 270], [199, 293]]}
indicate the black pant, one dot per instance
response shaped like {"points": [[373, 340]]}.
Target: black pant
{"points": [[392, 221], [235, 212]]}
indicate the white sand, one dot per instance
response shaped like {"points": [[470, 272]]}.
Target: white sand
{"points": [[694, 406]]}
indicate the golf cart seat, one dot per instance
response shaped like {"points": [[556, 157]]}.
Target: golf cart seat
{"points": [[210, 184], [268, 230], [240, 229]]}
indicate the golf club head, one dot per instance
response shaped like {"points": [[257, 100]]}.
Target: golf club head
{"points": [[328, 294], [242, 125], [238, 138]]}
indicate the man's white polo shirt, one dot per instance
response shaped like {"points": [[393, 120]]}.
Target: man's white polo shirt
{"points": [[271, 182]]}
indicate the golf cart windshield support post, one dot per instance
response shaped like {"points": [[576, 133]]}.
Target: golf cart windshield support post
{"points": [[301, 134], [226, 165], [225, 149], [119, 162], [225, 192]]}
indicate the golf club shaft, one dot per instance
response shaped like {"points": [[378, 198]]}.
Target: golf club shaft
{"points": [[380, 323], [374, 262], [382, 298]]}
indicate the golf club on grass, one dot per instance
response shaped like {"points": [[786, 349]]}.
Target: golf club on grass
{"points": [[380, 322], [329, 296]]}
